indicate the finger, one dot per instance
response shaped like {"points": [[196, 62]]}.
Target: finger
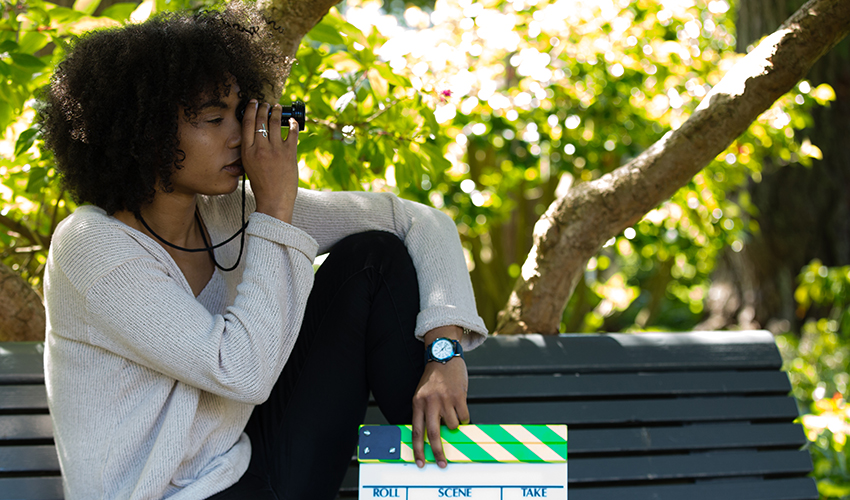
{"points": [[262, 121], [450, 419], [292, 135], [274, 121], [462, 412], [418, 436], [249, 123], [433, 426]]}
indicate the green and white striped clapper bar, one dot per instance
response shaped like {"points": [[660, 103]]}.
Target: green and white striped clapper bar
{"points": [[485, 462]]}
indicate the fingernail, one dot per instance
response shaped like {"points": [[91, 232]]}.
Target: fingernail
{"points": [[441, 464], [420, 464]]}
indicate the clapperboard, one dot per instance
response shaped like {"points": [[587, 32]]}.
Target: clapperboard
{"points": [[485, 462]]}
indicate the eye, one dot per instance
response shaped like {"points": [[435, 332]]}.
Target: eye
{"points": [[216, 120], [240, 109]]}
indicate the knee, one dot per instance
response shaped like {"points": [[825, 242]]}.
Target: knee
{"points": [[380, 250], [371, 242]]}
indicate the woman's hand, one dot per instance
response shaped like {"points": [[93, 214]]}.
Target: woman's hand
{"points": [[270, 162], [440, 396]]}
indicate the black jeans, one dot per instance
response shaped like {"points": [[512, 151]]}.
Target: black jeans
{"points": [[357, 336]]}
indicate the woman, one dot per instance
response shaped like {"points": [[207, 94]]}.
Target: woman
{"points": [[231, 372]]}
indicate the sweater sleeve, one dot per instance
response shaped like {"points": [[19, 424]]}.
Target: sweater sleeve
{"points": [[137, 308], [430, 236]]}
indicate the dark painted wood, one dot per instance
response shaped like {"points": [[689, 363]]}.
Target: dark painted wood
{"points": [[31, 488], [689, 466], [21, 363], [25, 427], [568, 353], [799, 488], [627, 411], [707, 436], [23, 397], [628, 384], [39, 458]]}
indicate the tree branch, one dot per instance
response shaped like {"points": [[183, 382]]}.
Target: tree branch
{"points": [[576, 226], [21, 312], [22, 230], [297, 18]]}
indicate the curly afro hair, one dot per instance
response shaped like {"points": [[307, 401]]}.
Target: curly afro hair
{"points": [[110, 112]]}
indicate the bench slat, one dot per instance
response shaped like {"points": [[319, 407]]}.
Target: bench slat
{"points": [[691, 437], [643, 410], [25, 427], [21, 363], [23, 397], [625, 353], [28, 459], [625, 411], [689, 466], [31, 488], [798, 488], [632, 384]]}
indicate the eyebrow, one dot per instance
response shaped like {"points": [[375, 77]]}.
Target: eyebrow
{"points": [[215, 103]]}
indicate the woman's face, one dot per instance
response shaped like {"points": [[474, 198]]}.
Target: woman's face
{"points": [[212, 144]]}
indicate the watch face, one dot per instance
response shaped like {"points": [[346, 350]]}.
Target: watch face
{"points": [[442, 349]]}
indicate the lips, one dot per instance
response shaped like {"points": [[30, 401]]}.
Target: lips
{"points": [[235, 167]]}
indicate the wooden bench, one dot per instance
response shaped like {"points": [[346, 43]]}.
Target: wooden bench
{"points": [[652, 416]]}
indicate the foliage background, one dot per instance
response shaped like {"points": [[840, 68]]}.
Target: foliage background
{"points": [[489, 110]]}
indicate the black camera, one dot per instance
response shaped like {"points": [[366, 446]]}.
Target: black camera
{"points": [[296, 110]]}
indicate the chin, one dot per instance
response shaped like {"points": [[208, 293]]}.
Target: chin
{"points": [[223, 190]]}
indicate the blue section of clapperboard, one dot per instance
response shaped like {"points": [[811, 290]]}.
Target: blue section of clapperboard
{"points": [[379, 442]]}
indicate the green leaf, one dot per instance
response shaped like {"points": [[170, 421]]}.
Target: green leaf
{"points": [[64, 15], [353, 32], [390, 76], [119, 11], [37, 179], [25, 141], [439, 162], [410, 169], [86, 6], [31, 42], [9, 46], [28, 61], [6, 113], [325, 33], [378, 83], [338, 167], [307, 143], [311, 61]]}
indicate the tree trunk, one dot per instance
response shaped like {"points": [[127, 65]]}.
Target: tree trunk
{"points": [[292, 20], [803, 213], [576, 226], [21, 311]]}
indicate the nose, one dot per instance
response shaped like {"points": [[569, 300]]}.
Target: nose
{"points": [[234, 138]]}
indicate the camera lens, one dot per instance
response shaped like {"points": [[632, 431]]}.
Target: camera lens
{"points": [[296, 110]]}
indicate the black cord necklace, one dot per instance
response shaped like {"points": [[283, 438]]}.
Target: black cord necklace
{"points": [[207, 247]]}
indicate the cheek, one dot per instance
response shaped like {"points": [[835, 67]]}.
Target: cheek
{"points": [[197, 146]]}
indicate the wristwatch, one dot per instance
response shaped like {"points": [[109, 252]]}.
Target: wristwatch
{"points": [[442, 350]]}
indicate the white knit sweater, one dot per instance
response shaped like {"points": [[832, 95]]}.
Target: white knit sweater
{"points": [[150, 387]]}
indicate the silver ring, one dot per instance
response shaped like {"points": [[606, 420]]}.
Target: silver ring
{"points": [[263, 130]]}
